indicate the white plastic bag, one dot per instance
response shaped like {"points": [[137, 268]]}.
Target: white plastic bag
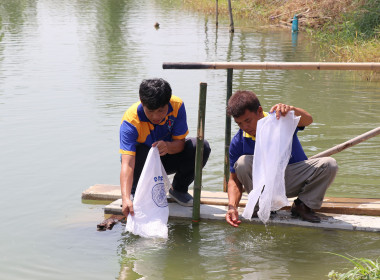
{"points": [[150, 204], [272, 153]]}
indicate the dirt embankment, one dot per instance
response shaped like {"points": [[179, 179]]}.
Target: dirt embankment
{"points": [[311, 14]]}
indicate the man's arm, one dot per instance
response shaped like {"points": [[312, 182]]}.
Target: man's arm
{"points": [[282, 109], [126, 180], [235, 191], [174, 147]]}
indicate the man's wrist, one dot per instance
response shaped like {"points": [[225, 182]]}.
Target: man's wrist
{"points": [[126, 199], [231, 207]]}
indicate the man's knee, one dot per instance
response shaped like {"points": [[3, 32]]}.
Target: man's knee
{"points": [[243, 164], [331, 165], [206, 151], [243, 170], [191, 145]]}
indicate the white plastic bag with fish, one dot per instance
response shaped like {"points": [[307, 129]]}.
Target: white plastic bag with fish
{"points": [[150, 204], [272, 153]]}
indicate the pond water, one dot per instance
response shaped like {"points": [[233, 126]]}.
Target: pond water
{"points": [[68, 71]]}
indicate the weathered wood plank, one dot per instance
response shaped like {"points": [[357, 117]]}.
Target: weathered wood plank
{"points": [[337, 205]]}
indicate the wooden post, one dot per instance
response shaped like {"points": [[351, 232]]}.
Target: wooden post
{"points": [[216, 12], [227, 137], [232, 29], [349, 143], [199, 153]]}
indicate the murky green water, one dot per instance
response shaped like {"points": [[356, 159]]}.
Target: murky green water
{"points": [[68, 71]]}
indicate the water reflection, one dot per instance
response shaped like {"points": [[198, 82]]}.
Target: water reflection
{"points": [[294, 40], [213, 251]]}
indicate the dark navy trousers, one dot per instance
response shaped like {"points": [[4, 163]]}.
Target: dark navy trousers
{"points": [[181, 164]]}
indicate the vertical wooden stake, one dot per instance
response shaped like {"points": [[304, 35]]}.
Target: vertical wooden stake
{"points": [[232, 29], [199, 152], [227, 136], [216, 12]]}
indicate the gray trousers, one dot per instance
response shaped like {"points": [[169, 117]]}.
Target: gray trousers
{"points": [[307, 179]]}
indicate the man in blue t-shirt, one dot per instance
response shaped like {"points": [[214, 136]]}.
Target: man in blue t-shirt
{"points": [[158, 120], [306, 179]]}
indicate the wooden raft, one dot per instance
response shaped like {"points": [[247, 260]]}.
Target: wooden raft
{"points": [[336, 205]]}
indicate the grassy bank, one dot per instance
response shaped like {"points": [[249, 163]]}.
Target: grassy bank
{"points": [[364, 269], [346, 30]]}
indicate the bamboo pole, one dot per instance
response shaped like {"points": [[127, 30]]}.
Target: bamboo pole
{"points": [[349, 143], [227, 133], [199, 152], [373, 66]]}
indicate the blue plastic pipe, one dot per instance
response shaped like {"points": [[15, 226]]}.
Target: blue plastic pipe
{"points": [[295, 24]]}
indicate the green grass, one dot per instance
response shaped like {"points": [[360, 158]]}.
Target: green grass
{"points": [[364, 269], [354, 36]]}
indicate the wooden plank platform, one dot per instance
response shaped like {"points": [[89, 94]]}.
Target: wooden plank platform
{"points": [[283, 217], [335, 205]]}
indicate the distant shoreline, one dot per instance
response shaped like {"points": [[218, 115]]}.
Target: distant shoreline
{"points": [[343, 33]]}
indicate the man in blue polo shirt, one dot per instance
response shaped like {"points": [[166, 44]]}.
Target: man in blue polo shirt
{"points": [[158, 120], [306, 179]]}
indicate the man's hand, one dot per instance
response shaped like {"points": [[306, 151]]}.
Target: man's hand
{"points": [[127, 208], [232, 216], [281, 109], [235, 190], [162, 147]]}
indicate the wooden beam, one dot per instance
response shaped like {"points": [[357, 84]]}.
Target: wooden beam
{"points": [[373, 66]]}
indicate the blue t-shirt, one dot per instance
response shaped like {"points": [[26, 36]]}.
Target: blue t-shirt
{"points": [[244, 144], [136, 128]]}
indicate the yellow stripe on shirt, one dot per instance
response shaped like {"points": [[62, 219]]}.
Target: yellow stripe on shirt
{"points": [[246, 135]]}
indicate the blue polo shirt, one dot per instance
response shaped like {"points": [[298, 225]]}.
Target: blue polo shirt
{"points": [[244, 144], [136, 128]]}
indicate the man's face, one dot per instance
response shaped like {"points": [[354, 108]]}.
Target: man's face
{"points": [[248, 121], [156, 116]]}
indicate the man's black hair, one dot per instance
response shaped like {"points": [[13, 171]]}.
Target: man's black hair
{"points": [[155, 93], [240, 101]]}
